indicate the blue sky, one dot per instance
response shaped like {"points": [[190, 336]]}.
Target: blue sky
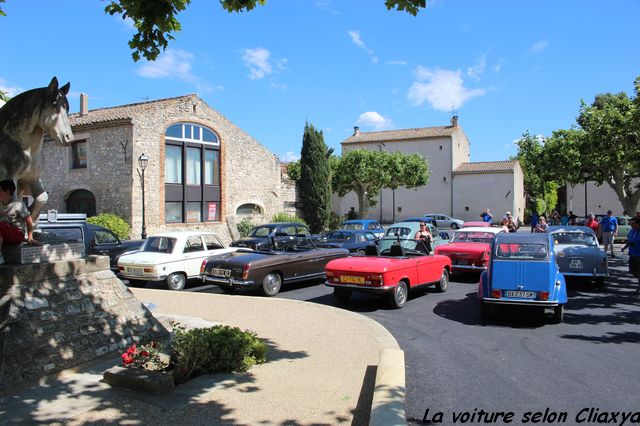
{"points": [[505, 67]]}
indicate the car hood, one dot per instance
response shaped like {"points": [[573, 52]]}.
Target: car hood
{"points": [[463, 250], [367, 264]]}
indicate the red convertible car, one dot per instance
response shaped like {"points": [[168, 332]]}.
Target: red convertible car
{"points": [[469, 249], [392, 275]]}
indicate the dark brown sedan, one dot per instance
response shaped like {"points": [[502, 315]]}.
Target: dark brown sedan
{"points": [[268, 270]]}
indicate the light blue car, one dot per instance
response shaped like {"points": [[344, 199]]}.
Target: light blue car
{"points": [[403, 233], [523, 271]]}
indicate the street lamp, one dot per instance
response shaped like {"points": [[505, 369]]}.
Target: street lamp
{"points": [[143, 160]]}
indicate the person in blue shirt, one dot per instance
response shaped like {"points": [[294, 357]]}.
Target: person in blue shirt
{"points": [[486, 216], [609, 228], [633, 244]]}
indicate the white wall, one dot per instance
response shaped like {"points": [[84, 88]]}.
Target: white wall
{"points": [[475, 192], [599, 199]]}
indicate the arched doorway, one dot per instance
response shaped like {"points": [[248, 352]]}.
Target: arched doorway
{"points": [[81, 201]]}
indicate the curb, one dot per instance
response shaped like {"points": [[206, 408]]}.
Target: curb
{"points": [[387, 407]]}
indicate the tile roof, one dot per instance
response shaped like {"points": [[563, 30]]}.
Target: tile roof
{"points": [[486, 167], [402, 134], [117, 113]]}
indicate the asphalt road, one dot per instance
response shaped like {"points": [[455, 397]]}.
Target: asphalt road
{"points": [[517, 362]]}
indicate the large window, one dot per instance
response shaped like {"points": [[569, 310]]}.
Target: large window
{"points": [[192, 174]]}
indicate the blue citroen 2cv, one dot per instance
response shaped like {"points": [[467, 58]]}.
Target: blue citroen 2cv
{"points": [[523, 271]]}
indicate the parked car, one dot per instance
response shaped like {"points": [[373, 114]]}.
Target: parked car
{"points": [[363, 225], [623, 228], [172, 257], [393, 274], [404, 232], [469, 249], [97, 240], [523, 272], [267, 270], [354, 241], [443, 234], [476, 223], [264, 236], [445, 221], [578, 253]]}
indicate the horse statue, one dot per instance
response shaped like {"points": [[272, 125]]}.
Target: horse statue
{"points": [[24, 119]]}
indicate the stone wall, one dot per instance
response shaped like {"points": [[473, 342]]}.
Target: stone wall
{"points": [[58, 315]]}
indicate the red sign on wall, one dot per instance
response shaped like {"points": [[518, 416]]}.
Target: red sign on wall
{"points": [[213, 211]]}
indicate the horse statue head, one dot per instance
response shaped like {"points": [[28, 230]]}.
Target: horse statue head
{"points": [[24, 120]]}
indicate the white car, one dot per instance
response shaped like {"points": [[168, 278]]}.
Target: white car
{"points": [[444, 221], [172, 257]]}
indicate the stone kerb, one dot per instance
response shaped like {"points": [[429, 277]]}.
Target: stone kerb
{"points": [[54, 316]]}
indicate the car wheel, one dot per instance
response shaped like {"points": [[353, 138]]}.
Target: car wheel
{"points": [[176, 281], [558, 314], [442, 285], [342, 295], [599, 282], [271, 284], [360, 252], [399, 295], [136, 283], [455, 226]]}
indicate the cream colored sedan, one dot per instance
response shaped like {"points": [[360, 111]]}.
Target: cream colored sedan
{"points": [[172, 257]]}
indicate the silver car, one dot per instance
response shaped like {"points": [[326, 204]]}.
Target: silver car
{"points": [[578, 253], [444, 221]]}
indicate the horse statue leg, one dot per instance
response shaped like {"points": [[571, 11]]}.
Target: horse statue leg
{"points": [[39, 195]]}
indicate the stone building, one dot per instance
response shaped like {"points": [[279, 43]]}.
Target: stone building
{"points": [[457, 187], [203, 171]]}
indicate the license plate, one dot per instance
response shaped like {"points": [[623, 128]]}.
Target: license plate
{"points": [[350, 279], [221, 272], [134, 271], [520, 294], [575, 264]]}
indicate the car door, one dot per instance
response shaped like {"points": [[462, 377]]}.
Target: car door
{"points": [[193, 254], [106, 243]]}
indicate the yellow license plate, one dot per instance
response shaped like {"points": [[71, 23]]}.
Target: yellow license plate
{"points": [[350, 279]]}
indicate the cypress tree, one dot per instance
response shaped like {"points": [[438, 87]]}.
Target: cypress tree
{"points": [[315, 179]]}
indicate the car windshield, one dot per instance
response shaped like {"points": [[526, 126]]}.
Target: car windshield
{"points": [[472, 237], [521, 251], [159, 245], [336, 235], [580, 238], [355, 226], [261, 231], [397, 232]]}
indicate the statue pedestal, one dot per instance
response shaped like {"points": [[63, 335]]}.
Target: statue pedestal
{"points": [[56, 315], [25, 254]]}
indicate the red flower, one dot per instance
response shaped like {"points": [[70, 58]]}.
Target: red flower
{"points": [[144, 354], [127, 358], [154, 345], [132, 349]]}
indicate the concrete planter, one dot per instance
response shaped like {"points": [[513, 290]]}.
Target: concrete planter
{"points": [[153, 382]]}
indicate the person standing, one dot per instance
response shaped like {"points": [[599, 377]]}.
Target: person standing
{"points": [[534, 221], [609, 228], [15, 220], [542, 225], [592, 223], [633, 243], [487, 216]]}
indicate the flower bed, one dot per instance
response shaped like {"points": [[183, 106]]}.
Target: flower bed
{"points": [[156, 369]]}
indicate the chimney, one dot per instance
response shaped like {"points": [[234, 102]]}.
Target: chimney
{"points": [[454, 121], [84, 104], [356, 130]]}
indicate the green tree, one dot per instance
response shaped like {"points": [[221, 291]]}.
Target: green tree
{"points": [[367, 172], [4, 96], [538, 176], [315, 179], [156, 20], [604, 147]]}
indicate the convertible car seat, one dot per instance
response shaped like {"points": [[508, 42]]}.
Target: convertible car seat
{"points": [[371, 250], [396, 250]]}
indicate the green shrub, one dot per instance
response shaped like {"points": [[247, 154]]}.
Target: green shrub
{"points": [[286, 217], [245, 226], [216, 349], [115, 223], [334, 221]]}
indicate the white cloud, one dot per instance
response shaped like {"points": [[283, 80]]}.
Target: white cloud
{"points": [[357, 40], [279, 86], [397, 63], [10, 90], [261, 64], [442, 89], [375, 120], [289, 156], [538, 47], [476, 71], [175, 64]]}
